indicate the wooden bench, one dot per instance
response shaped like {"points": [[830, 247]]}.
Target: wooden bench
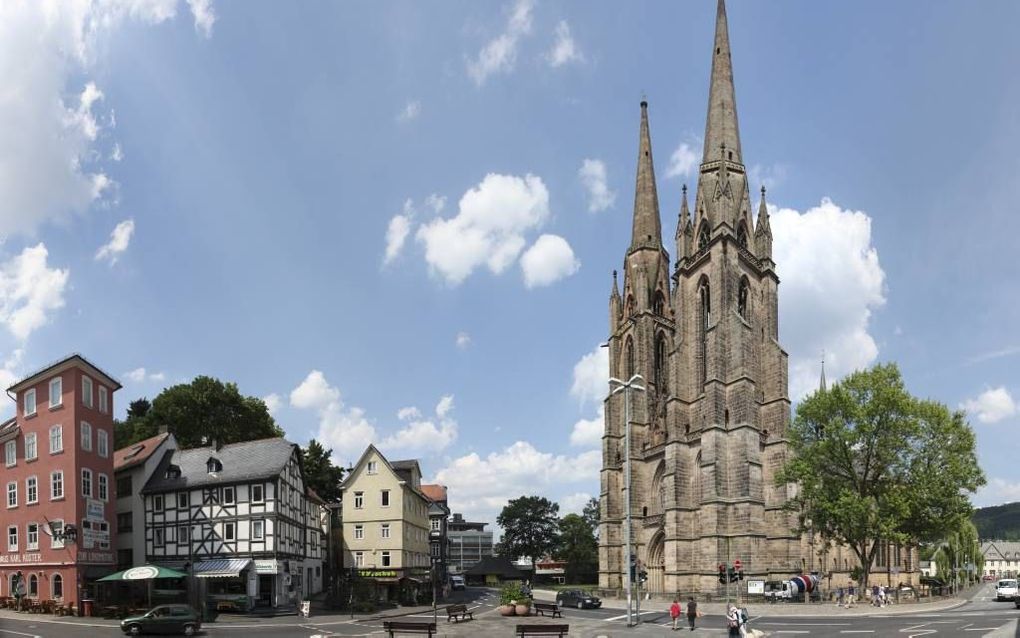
{"points": [[458, 613], [543, 630], [410, 628], [552, 608]]}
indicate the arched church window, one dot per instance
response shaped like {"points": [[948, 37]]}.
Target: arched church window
{"points": [[743, 298], [629, 310], [629, 358], [742, 235], [705, 296], [661, 378], [703, 237], [659, 305]]}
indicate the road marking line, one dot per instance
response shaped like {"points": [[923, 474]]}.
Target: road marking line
{"points": [[857, 631], [982, 629], [625, 615], [791, 631]]}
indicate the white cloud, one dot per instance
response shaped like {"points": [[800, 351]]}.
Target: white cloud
{"points": [[273, 403], [140, 375], [116, 154], [997, 492], [397, 231], [992, 405], [593, 176], [588, 432], [30, 290], [411, 111], [54, 130], [12, 371], [682, 162], [204, 16], [591, 377], [831, 283], [423, 435], [767, 176], [548, 260], [411, 412], [574, 503], [119, 240], [346, 430], [500, 54], [564, 49], [488, 228], [444, 406], [463, 340], [483, 485], [1008, 351]]}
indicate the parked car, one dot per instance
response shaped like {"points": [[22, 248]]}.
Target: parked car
{"points": [[988, 578], [578, 598], [457, 582], [1005, 589], [165, 619]]}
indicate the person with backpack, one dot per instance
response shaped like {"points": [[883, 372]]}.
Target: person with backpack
{"points": [[733, 620], [674, 613], [692, 611]]}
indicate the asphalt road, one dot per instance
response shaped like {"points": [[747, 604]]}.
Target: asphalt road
{"points": [[980, 616]]}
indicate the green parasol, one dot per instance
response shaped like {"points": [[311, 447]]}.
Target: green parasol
{"points": [[145, 572]]}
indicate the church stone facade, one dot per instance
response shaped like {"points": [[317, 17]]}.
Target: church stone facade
{"points": [[708, 434]]}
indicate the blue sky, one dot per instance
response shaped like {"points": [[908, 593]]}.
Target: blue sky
{"points": [[398, 220]]}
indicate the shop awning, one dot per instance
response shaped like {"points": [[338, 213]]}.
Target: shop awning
{"points": [[145, 572], [224, 568]]}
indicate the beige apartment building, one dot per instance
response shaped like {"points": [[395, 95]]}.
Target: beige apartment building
{"points": [[385, 527]]}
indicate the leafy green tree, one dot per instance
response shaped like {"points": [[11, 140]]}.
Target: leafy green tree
{"points": [[960, 548], [591, 515], [320, 473], [204, 410], [131, 429], [530, 526], [578, 547], [873, 464]]}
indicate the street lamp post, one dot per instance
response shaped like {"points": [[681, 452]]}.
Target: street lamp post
{"points": [[626, 387]]}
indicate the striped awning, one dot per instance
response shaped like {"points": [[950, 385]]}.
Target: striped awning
{"points": [[222, 568]]}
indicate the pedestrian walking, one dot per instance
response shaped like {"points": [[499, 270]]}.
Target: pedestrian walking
{"points": [[18, 588], [874, 596], [674, 613], [733, 620], [839, 596], [692, 612], [851, 598]]}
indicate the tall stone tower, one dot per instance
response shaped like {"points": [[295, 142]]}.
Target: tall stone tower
{"points": [[708, 434]]}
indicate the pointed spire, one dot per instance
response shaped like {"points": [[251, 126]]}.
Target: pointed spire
{"points": [[821, 383], [763, 226], [684, 222], [721, 126], [616, 288], [647, 231]]}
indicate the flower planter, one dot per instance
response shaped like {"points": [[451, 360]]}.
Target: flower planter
{"points": [[522, 610], [506, 610]]}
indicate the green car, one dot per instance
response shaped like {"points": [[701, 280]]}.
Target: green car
{"points": [[165, 619]]}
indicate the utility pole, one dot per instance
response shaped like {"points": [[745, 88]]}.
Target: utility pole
{"points": [[631, 384]]}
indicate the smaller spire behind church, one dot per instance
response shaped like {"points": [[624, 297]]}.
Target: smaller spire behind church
{"points": [[821, 382]]}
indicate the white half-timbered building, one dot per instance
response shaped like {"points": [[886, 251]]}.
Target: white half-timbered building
{"points": [[239, 518]]}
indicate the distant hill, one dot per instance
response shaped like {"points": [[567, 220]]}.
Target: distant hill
{"points": [[999, 522]]}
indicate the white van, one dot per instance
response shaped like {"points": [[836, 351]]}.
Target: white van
{"points": [[457, 582], [1005, 589]]}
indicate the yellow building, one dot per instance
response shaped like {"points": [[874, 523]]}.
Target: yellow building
{"points": [[385, 526]]}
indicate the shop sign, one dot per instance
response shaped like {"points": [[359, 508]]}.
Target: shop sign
{"points": [[756, 587], [94, 510], [377, 573], [91, 538], [266, 567], [21, 558], [95, 557]]}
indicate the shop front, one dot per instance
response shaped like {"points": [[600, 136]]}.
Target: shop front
{"points": [[405, 586], [277, 583], [227, 585]]}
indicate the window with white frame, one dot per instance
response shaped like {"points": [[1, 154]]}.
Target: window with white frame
{"points": [[104, 487], [104, 400], [56, 439], [56, 485], [31, 447], [359, 532], [228, 495], [86, 482], [385, 498], [436, 524], [58, 586], [157, 503], [31, 490], [228, 531], [359, 500], [32, 537], [12, 494], [57, 527], [56, 392], [359, 559], [258, 529], [11, 453], [86, 436], [182, 500], [373, 467], [29, 406], [157, 537], [182, 533], [12, 538], [86, 391], [256, 494], [385, 559], [102, 442], [384, 530]]}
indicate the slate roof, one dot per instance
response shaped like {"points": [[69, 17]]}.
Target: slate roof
{"points": [[246, 461], [116, 384], [499, 566], [132, 455], [1000, 550]]}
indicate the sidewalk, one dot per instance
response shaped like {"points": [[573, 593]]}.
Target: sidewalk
{"points": [[785, 610]]}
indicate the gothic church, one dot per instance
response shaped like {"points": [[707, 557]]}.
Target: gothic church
{"points": [[708, 432]]}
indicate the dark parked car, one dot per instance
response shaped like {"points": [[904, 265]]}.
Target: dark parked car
{"points": [[165, 619], [577, 598]]}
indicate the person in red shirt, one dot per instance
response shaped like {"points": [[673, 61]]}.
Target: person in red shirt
{"points": [[674, 613]]}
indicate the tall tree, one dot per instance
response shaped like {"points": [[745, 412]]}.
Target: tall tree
{"points": [[131, 429], [590, 513], [578, 547], [203, 410], [874, 464], [530, 525], [320, 473]]}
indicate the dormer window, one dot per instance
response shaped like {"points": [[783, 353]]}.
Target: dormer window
{"points": [[173, 472], [213, 465]]}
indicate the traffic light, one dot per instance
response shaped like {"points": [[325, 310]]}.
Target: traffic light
{"points": [[722, 574], [739, 568], [642, 577], [633, 568]]}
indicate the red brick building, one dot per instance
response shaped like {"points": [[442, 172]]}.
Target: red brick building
{"points": [[56, 481]]}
